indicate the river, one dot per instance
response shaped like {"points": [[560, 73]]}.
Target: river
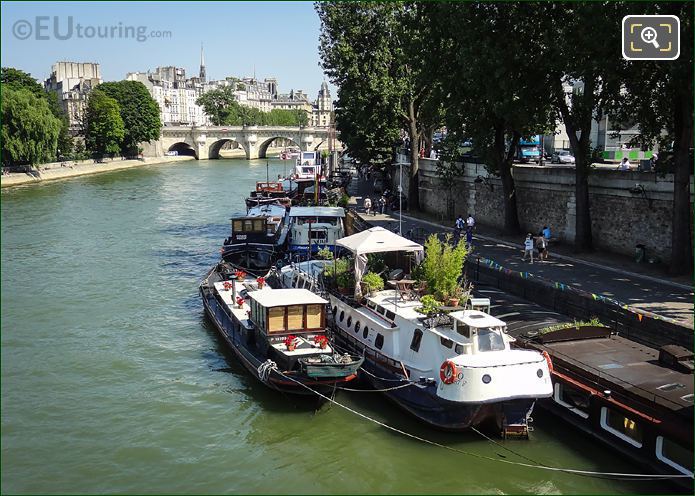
{"points": [[113, 381]]}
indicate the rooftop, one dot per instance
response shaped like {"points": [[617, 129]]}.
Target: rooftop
{"points": [[317, 212], [284, 297]]}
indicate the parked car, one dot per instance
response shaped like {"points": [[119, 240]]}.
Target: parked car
{"points": [[562, 157]]}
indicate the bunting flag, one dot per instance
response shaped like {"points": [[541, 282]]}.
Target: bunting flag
{"points": [[639, 316]]}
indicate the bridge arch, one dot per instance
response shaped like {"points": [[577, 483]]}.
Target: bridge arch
{"points": [[263, 147], [215, 147], [183, 148]]}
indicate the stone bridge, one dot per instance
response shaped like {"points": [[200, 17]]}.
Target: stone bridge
{"points": [[205, 142]]}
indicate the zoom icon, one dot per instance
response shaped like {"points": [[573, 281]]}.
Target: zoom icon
{"points": [[651, 37]]}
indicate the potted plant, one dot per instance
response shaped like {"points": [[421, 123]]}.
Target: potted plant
{"points": [[291, 342], [261, 282], [456, 296], [372, 282], [430, 305], [442, 267], [321, 341]]}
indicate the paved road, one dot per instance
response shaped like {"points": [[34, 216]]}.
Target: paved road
{"points": [[600, 275]]}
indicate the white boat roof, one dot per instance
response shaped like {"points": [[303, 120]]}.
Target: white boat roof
{"points": [[283, 297], [476, 318], [378, 240], [317, 212]]}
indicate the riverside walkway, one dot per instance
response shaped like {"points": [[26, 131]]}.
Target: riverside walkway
{"points": [[641, 286]]}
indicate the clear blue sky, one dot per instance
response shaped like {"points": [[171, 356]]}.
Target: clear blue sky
{"points": [[279, 38]]}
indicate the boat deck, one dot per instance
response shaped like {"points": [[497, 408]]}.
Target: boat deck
{"points": [[610, 360]]}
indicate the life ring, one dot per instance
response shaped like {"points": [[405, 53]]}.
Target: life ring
{"points": [[547, 359], [448, 372]]}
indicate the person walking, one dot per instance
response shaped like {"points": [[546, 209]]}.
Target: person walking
{"points": [[469, 237], [542, 246], [470, 221], [546, 236], [367, 205], [382, 204], [624, 165], [528, 247]]}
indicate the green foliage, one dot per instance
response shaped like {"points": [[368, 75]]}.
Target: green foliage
{"points": [[430, 305], [103, 125], [443, 265], [221, 105], [29, 130], [344, 200], [577, 324], [139, 112], [373, 281], [324, 254], [17, 79]]}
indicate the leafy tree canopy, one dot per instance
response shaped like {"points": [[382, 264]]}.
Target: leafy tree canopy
{"points": [[104, 130]]}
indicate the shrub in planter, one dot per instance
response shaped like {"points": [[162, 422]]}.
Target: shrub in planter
{"points": [[372, 282]]}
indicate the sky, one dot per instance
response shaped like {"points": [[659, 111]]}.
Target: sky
{"points": [[279, 39]]}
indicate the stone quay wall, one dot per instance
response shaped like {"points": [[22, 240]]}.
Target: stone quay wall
{"points": [[620, 218]]}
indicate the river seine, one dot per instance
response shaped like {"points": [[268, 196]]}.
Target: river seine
{"points": [[113, 381]]}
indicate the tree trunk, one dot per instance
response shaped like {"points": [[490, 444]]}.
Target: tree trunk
{"points": [[681, 240], [413, 183], [504, 160], [582, 157]]}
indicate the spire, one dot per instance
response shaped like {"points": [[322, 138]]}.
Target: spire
{"points": [[202, 64]]}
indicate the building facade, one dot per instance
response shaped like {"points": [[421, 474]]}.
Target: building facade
{"points": [[322, 112], [72, 82]]}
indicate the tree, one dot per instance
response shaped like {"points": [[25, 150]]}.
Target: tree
{"points": [[139, 112], [17, 79], [29, 130], [221, 105], [493, 76], [373, 52], [658, 96], [104, 130], [582, 46]]}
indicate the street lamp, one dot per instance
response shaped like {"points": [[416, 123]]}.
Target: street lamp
{"points": [[400, 198]]}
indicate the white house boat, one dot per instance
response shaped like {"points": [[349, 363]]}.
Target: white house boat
{"points": [[308, 166], [315, 228], [258, 238], [278, 335], [460, 366]]}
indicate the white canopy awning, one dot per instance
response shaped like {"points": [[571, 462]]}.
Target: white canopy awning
{"points": [[376, 240]]}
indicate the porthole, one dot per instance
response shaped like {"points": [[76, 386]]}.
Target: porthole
{"points": [[365, 333], [357, 326], [379, 341], [342, 315], [349, 321], [487, 379], [539, 373]]}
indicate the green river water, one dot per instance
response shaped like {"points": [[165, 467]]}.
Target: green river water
{"points": [[113, 381]]}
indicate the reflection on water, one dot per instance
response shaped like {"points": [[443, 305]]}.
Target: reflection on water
{"points": [[113, 381]]}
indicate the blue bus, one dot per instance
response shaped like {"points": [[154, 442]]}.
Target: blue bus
{"points": [[529, 150]]}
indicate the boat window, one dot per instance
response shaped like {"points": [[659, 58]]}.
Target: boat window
{"points": [[276, 319], [295, 317], [573, 399], [490, 340], [674, 455], [237, 226], [371, 304], [349, 321], [417, 339], [357, 326], [459, 349], [381, 310], [313, 316], [365, 333], [671, 387], [248, 225], [258, 225], [390, 315], [318, 235], [463, 330], [342, 315], [335, 310], [379, 341], [621, 426], [447, 343]]}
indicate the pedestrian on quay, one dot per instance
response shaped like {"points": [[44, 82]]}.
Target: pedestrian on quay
{"points": [[541, 245], [382, 204], [459, 226], [367, 205], [546, 235], [624, 165], [470, 221], [469, 237], [528, 247]]}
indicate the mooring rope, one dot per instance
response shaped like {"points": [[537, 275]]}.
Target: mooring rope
{"points": [[622, 475]]}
